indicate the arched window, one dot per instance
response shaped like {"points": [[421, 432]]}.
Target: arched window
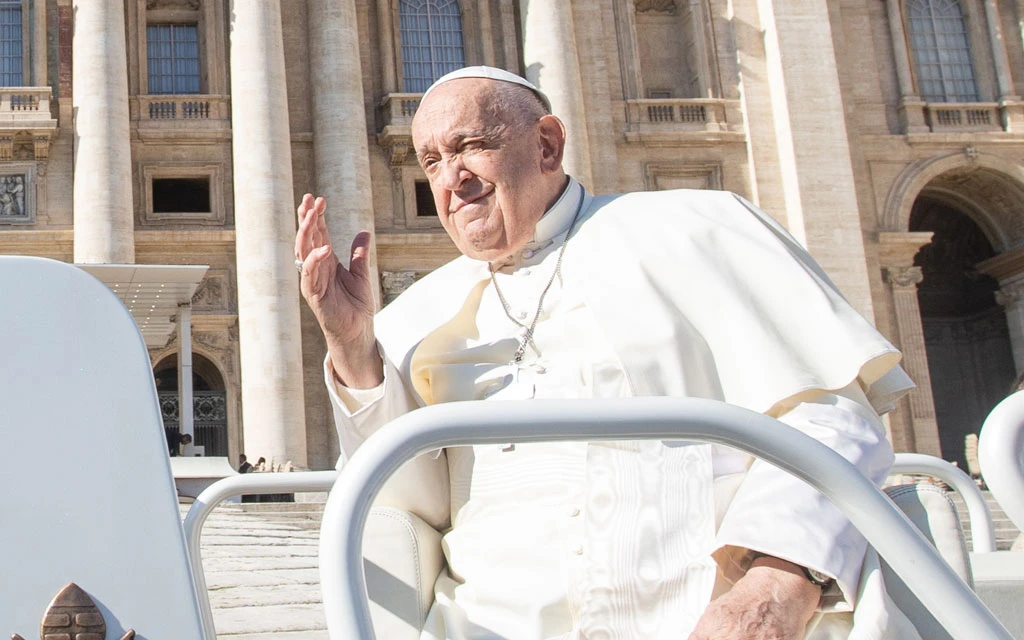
{"points": [[942, 53], [431, 33]]}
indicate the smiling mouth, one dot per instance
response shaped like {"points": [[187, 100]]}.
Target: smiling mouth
{"points": [[465, 203]]}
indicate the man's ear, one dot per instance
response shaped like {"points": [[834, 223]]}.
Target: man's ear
{"points": [[552, 142]]}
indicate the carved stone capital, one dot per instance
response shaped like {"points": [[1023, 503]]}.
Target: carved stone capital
{"points": [[903, 277], [6, 147], [398, 153], [41, 147], [1011, 294]]}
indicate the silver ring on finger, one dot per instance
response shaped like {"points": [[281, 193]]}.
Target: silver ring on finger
{"points": [[298, 266]]}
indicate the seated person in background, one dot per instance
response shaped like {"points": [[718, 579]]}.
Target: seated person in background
{"points": [[244, 466], [563, 294]]}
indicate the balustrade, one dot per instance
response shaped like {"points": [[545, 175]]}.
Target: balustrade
{"points": [[180, 111]]}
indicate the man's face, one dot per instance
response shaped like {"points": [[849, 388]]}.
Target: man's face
{"points": [[485, 172]]}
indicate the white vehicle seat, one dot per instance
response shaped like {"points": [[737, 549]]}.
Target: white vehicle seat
{"points": [[934, 514], [86, 485]]}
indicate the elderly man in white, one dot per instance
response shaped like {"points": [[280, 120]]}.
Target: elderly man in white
{"points": [[561, 294]]}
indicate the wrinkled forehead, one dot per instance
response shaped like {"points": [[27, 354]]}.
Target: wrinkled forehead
{"points": [[455, 106]]}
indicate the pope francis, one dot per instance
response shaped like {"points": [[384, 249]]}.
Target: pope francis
{"points": [[563, 294]]}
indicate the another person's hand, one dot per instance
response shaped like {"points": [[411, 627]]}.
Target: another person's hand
{"points": [[773, 601], [341, 299]]}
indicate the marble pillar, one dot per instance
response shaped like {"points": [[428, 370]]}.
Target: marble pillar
{"points": [[924, 438], [104, 224], [807, 127], [340, 146], [1011, 296], [270, 340], [1000, 58], [552, 63]]}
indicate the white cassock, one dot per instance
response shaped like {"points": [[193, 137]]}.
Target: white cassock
{"points": [[685, 293]]}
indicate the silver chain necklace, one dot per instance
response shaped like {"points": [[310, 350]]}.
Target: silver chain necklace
{"points": [[527, 338]]}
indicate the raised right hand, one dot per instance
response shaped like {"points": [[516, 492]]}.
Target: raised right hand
{"points": [[341, 299]]}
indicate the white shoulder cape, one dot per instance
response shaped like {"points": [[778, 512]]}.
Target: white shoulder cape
{"points": [[701, 294]]}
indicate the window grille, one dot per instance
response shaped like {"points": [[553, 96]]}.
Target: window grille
{"points": [[431, 33], [173, 58], [942, 53], [11, 63]]}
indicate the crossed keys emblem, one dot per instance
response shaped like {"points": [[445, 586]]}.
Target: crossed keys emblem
{"points": [[73, 614]]}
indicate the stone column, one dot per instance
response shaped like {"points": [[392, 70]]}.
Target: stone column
{"points": [[911, 107], [339, 125], [553, 64], [186, 401], [104, 225], [914, 426], [999, 55], [385, 31], [811, 151], [270, 340], [1011, 297], [39, 47]]}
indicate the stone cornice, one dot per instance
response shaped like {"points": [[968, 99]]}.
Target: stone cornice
{"points": [[48, 243], [899, 248], [1004, 266]]}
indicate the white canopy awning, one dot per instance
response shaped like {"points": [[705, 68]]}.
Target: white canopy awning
{"points": [[151, 293]]}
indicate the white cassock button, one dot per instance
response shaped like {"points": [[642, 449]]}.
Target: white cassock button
{"points": [[572, 511], [524, 272], [527, 253], [578, 550]]}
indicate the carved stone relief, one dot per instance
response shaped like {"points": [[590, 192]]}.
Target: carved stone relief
{"points": [[214, 292], [18, 193], [394, 283]]}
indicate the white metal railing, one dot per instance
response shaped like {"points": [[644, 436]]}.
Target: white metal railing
{"points": [[1001, 456], [983, 535], [243, 484], [886, 528]]}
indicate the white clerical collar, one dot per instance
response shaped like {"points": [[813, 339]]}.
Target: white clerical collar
{"points": [[557, 219]]}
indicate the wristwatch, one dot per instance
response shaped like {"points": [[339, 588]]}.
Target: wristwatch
{"points": [[823, 580], [818, 578]]}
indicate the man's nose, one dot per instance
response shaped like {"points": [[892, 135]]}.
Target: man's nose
{"points": [[454, 173]]}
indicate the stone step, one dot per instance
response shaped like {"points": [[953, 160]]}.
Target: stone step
{"points": [[261, 571], [1006, 532]]}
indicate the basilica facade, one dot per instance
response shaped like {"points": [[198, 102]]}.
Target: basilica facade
{"points": [[886, 135]]}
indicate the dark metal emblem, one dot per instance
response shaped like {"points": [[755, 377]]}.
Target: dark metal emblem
{"points": [[73, 615]]}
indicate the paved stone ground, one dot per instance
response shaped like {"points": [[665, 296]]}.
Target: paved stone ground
{"points": [[261, 568], [261, 573]]}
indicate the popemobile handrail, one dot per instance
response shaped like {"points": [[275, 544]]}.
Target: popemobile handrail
{"points": [[240, 485], [886, 528], [983, 533]]}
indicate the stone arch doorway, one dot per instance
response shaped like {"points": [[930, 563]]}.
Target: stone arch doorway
{"points": [[209, 402], [966, 335]]}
